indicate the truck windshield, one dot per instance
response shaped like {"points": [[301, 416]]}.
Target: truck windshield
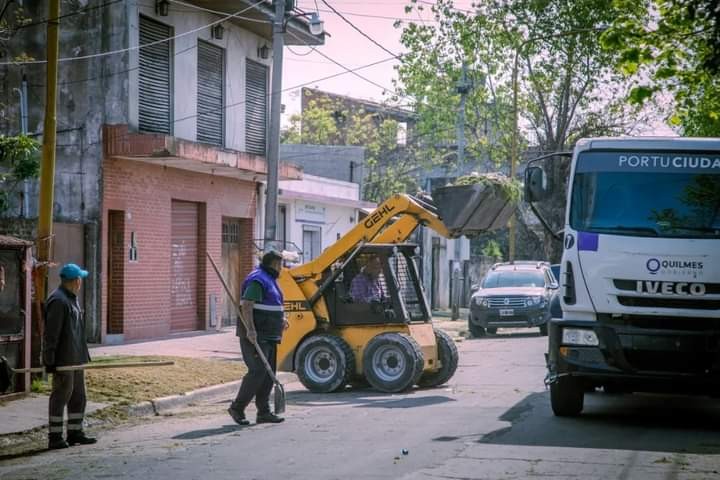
{"points": [[514, 279], [647, 194]]}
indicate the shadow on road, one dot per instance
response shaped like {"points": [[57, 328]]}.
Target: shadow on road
{"points": [[366, 399], [207, 432], [627, 422]]}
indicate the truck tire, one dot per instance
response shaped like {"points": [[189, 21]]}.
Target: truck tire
{"points": [[567, 397], [393, 362], [476, 331], [448, 358], [325, 363]]}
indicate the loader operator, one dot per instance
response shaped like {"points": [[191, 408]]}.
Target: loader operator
{"points": [[366, 287], [64, 344], [262, 309]]}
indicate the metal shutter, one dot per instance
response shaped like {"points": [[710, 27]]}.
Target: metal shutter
{"points": [[184, 268], [155, 77], [210, 94], [256, 84]]}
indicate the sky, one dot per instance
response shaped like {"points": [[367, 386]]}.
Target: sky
{"points": [[346, 46]]}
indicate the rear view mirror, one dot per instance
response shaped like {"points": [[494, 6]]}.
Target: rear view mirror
{"points": [[474, 287], [536, 185]]}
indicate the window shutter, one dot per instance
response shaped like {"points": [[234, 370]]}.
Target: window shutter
{"points": [[256, 101], [211, 94], [155, 77]]}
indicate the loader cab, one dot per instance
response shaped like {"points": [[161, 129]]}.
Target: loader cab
{"points": [[379, 285]]}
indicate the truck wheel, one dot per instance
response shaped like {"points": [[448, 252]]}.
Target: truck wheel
{"points": [[325, 363], [567, 397], [476, 330], [544, 329], [448, 358], [492, 331], [393, 362]]}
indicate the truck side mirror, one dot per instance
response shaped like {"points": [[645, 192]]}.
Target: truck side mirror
{"points": [[474, 287], [536, 185]]}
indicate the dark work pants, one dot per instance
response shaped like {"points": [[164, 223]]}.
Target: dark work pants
{"points": [[256, 383], [68, 389]]}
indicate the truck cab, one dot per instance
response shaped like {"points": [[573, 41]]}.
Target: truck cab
{"points": [[640, 281]]}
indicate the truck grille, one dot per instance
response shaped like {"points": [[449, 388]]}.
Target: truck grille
{"points": [[655, 302], [676, 362], [512, 302]]}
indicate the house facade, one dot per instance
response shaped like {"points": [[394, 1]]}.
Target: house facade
{"points": [[162, 132]]}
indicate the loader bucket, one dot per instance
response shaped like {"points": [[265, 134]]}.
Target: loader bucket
{"points": [[473, 209]]}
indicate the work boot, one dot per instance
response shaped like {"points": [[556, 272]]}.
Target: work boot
{"points": [[238, 416], [269, 418], [79, 438], [56, 442]]}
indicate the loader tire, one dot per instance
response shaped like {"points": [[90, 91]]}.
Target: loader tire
{"points": [[325, 363], [448, 358], [393, 362]]}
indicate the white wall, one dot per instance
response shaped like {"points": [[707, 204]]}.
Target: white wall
{"points": [[238, 43], [450, 249]]}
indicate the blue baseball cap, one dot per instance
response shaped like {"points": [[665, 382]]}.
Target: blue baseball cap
{"points": [[70, 271]]}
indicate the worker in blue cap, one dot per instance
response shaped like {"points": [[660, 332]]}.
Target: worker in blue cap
{"points": [[64, 344]]}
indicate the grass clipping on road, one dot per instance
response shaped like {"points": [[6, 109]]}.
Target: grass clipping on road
{"points": [[127, 386]]}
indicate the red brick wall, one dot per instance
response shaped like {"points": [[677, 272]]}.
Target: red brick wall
{"points": [[145, 192], [116, 284]]}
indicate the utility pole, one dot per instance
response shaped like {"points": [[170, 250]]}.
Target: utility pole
{"points": [[271, 198], [514, 153], [47, 169]]}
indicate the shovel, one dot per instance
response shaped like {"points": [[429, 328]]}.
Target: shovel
{"points": [[6, 371], [278, 391]]}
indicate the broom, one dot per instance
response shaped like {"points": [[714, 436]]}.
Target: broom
{"points": [[278, 391]]}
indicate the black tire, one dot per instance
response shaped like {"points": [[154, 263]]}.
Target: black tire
{"points": [[324, 363], [476, 331], [393, 362], [544, 329], [492, 331], [567, 397], [448, 358]]}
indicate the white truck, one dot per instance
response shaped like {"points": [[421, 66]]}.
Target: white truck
{"points": [[640, 272]]}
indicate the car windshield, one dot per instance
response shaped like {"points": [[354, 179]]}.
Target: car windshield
{"points": [[514, 278], [647, 194]]}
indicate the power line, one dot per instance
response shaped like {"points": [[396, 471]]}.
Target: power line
{"points": [[137, 47], [356, 28], [71, 14]]}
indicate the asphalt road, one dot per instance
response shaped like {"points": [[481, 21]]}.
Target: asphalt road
{"points": [[493, 421]]}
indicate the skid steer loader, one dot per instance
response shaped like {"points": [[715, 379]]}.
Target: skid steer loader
{"points": [[390, 343]]}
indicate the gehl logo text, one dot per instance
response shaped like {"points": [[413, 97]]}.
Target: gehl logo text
{"points": [[296, 306], [378, 215]]}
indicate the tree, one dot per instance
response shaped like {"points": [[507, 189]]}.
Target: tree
{"points": [[327, 121], [18, 162], [567, 86], [672, 46]]}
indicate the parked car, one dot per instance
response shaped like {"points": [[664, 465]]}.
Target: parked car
{"points": [[515, 294]]}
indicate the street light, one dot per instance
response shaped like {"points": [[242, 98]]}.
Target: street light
{"points": [[317, 26], [514, 148]]}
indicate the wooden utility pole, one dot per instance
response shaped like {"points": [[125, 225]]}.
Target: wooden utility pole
{"points": [[47, 168]]}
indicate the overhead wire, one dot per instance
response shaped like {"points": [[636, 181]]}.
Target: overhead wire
{"points": [[136, 47], [67, 15], [357, 29]]}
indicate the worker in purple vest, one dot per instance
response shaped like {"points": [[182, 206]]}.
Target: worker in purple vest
{"points": [[262, 308]]}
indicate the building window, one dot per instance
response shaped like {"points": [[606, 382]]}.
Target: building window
{"points": [[156, 86], [230, 232], [256, 114], [281, 227], [211, 94]]}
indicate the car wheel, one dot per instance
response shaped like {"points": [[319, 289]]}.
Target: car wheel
{"points": [[476, 330], [325, 363], [544, 329], [567, 397], [492, 331], [393, 362], [448, 358]]}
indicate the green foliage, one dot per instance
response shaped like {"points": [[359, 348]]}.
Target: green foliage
{"points": [[507, 187], [680, 45], [18, 162], [327, 121], [491, 249], [39, 386]]}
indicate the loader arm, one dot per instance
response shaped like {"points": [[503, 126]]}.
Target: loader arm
{"points": [[371, 230]]}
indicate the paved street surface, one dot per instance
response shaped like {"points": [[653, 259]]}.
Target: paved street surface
{"points": [[493, 421]]}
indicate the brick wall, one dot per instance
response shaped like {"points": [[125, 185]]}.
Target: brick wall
{"points": [[116, 282], [144, 192]]}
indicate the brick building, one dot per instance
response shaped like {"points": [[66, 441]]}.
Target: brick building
{"points": [[161, 151]]}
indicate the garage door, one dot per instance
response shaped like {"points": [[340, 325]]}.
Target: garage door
{"points": [[184, 268]]}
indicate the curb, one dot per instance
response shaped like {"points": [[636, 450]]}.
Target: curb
{"points": [[158, 406]]}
